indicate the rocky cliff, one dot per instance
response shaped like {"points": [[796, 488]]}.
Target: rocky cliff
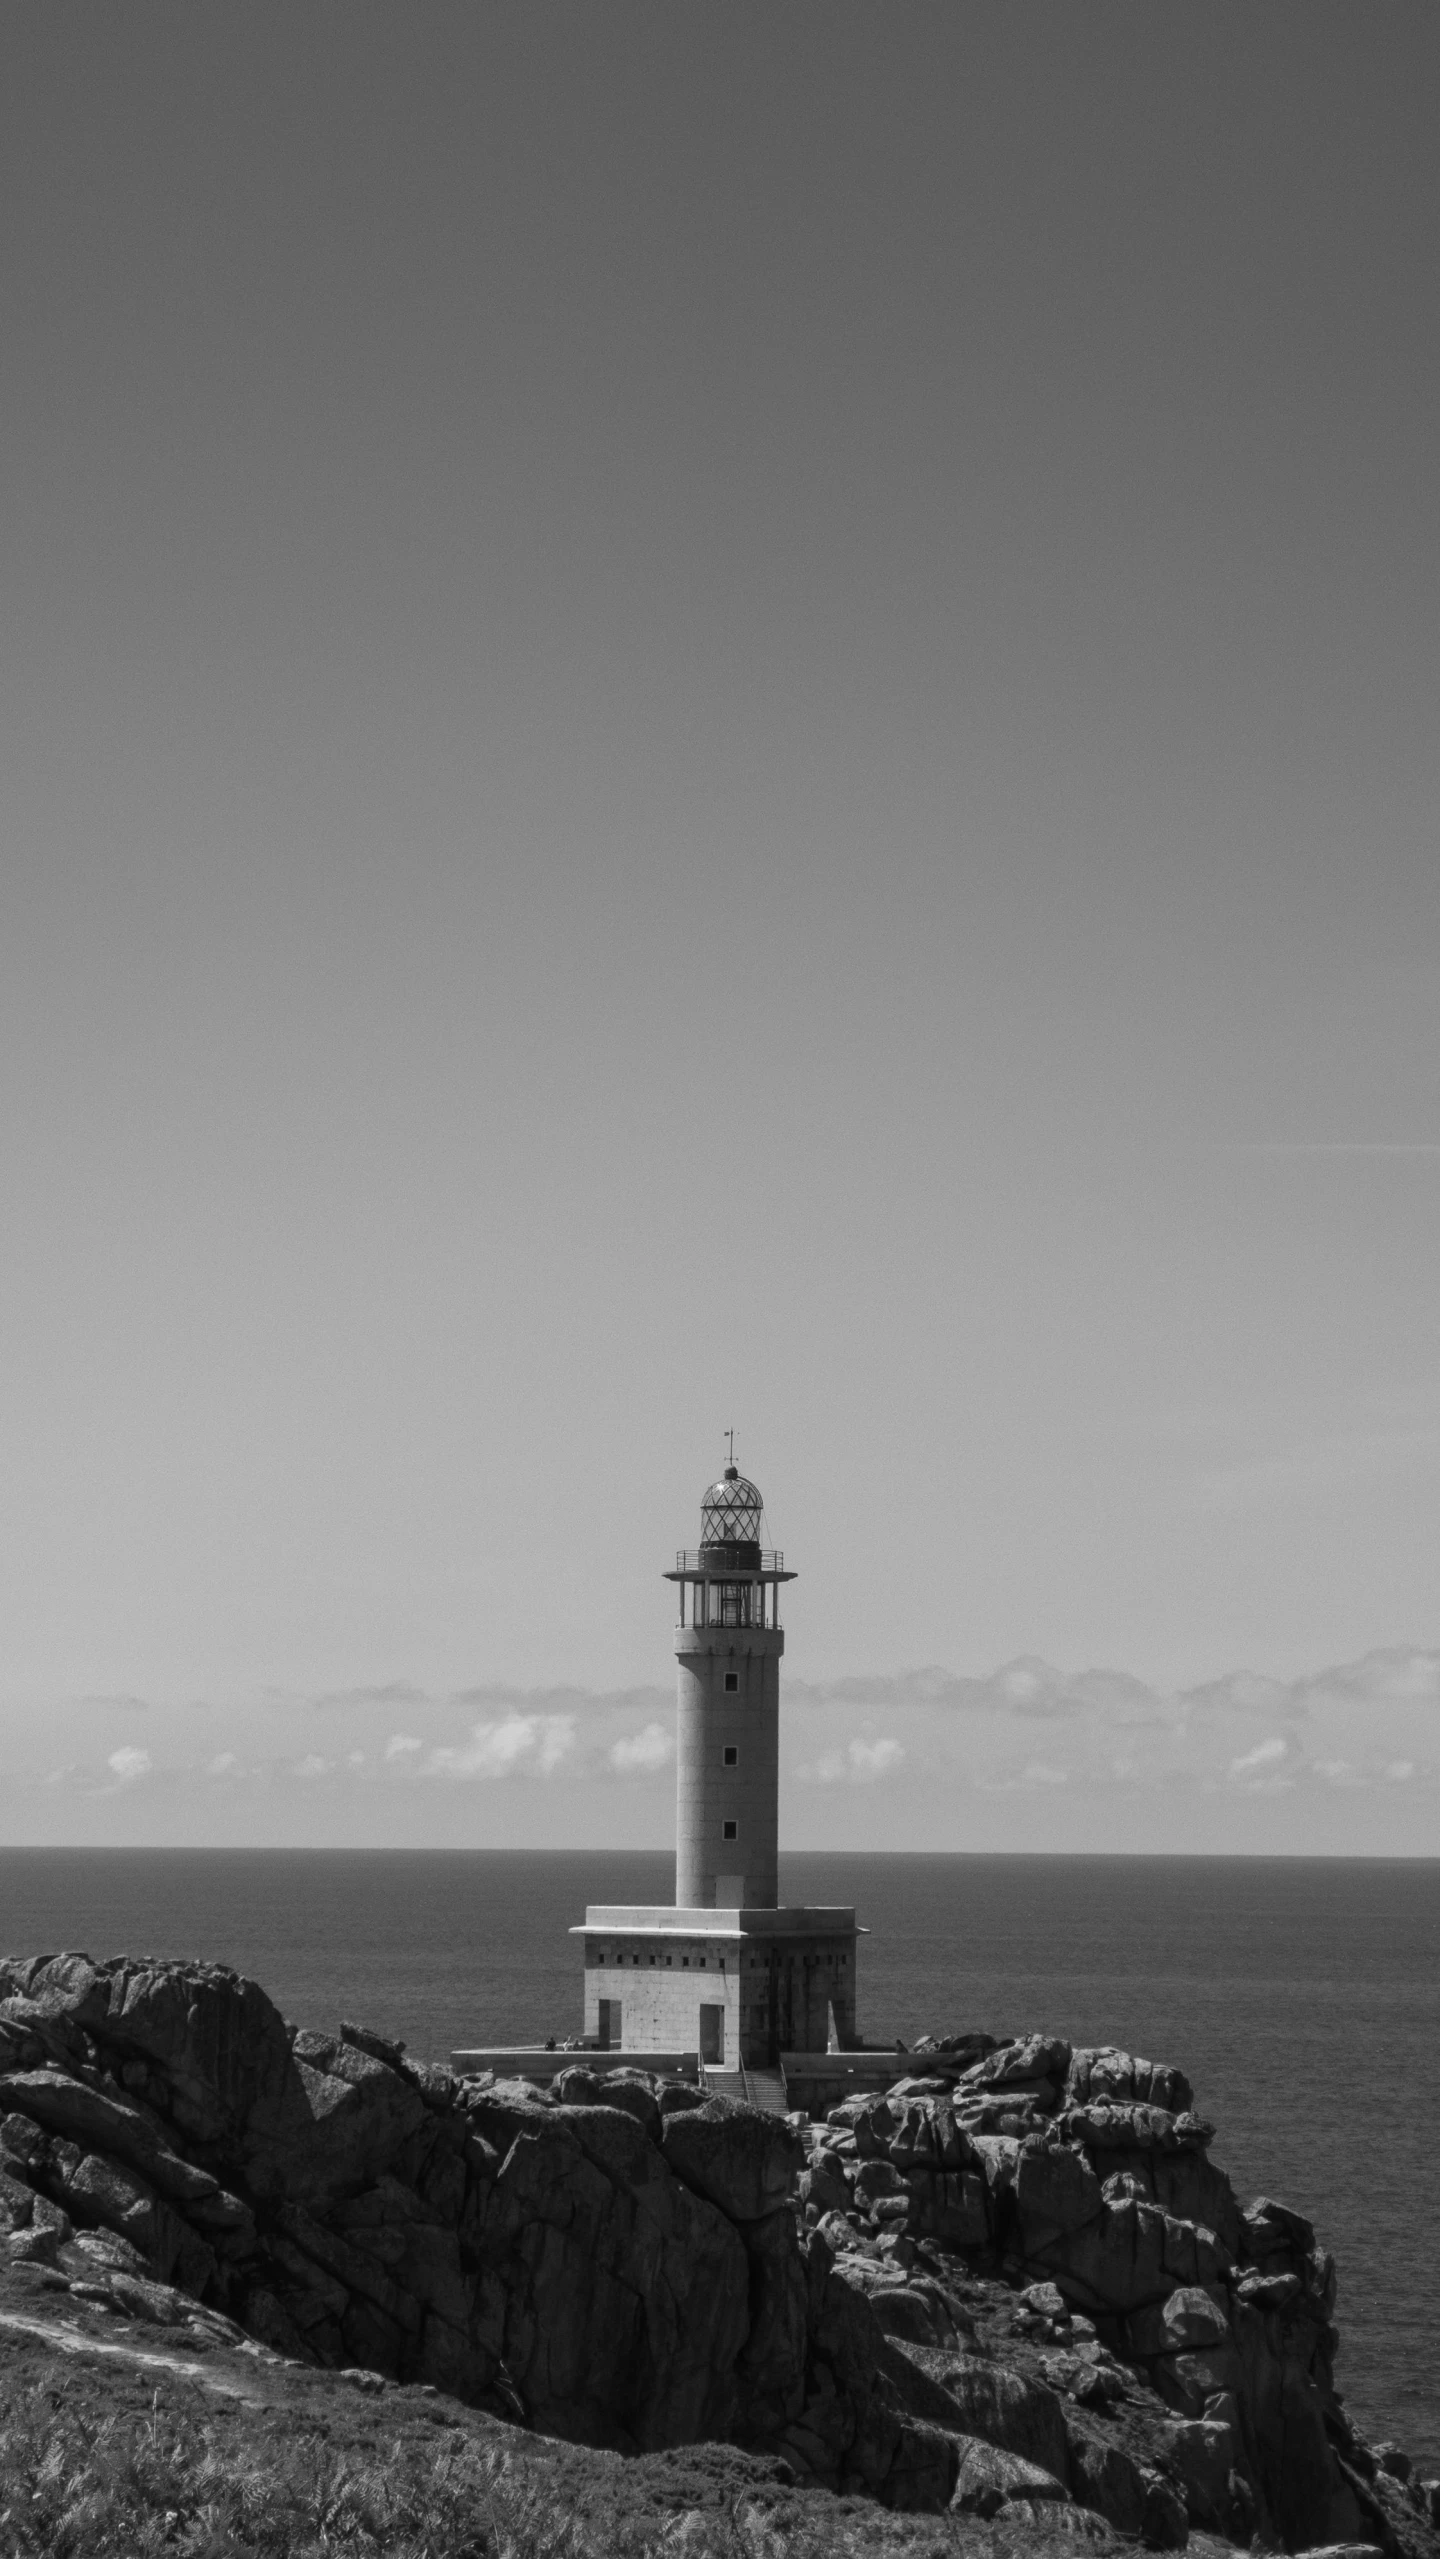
{"points": [[1016, 2283]]}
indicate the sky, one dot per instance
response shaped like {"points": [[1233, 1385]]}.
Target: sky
{"points": [[720, 717]]}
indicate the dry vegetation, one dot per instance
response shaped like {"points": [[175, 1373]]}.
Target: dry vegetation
{"points": [[99, 2456], [157, 2484]]}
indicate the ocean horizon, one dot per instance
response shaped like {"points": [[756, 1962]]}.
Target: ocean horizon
{"points": [[1300, 1995]]}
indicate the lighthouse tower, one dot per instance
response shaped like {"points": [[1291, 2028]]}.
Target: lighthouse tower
{"points": [[728, 1645], [729, 1973]]}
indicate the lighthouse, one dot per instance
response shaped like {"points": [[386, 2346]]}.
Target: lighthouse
{"points": [[728, 1972]]}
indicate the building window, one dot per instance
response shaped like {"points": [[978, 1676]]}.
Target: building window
{"points": [[702, 1963], [732, 1682], [685, 1960], [732, 1755], [731, 1830], [669, 1960]]}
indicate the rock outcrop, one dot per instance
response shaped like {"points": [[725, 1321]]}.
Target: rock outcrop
{"points": [[1016, 2281]]}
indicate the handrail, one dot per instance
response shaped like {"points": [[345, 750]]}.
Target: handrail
{"points": [[706, 1559]]}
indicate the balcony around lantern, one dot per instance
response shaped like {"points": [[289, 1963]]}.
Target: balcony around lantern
{"points": [[720, 1558]]}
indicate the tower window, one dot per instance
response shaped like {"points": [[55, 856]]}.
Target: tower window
{"points": [[732, 1755], [732, 1682], [730, 1830]]}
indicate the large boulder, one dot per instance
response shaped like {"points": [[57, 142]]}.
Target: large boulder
{"points": [[1100, 2071], [1056, 2194], [632, 2091], [618, 2300], [86, 2114], [987, 2479], [1129, 2255], [1105, 2477], [1003, 2408], [1031, 2062], [338, 2116], [218, 2047], [948, 2208], [745, 2162]]}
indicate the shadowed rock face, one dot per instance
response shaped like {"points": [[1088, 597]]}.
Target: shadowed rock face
{"points": [[747, 2163], [1017, 2278]]}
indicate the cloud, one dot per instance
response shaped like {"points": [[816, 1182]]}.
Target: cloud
{"points": [[1027, 1687], [519, 1744], [1266, 1755], [1241, 1692], [394, 1692], [1036, 1772], [875, 1759], [1361, 1731], [1372, 1772], [858, 1764], [1165, 1734], [500, 1697], [1397, 1675], [643, 1751], [129, 1766]]}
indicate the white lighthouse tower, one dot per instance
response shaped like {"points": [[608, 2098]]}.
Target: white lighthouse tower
{"points": [[728, 1645], [727, 1972]]}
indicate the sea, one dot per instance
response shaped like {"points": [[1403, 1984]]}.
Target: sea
{"points": [[1301, 1996]]}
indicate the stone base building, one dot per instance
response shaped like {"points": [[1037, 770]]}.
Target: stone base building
{"points": [[735, 1985]]}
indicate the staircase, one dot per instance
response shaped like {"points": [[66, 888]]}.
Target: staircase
{"points": [[725, 2083], [752, 2087], [765, 2089]]}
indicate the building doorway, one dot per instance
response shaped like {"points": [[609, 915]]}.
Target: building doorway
{"points": [[712, 2033], [610, 2026]]}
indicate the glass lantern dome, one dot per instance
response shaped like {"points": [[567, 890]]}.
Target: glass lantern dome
{"points": [[731, 1512]]}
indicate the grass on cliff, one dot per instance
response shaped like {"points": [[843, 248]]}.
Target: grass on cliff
{"points": [[77, 2484], [150, 2486], [72, 2489], [111, 2448]]}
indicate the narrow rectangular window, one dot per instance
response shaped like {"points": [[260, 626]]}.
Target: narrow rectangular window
{"points": [[730, 1830], [732, 1682], [732, 1755]]}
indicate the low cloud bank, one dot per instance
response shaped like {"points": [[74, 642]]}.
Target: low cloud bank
{"points": [[916, 1740]]}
